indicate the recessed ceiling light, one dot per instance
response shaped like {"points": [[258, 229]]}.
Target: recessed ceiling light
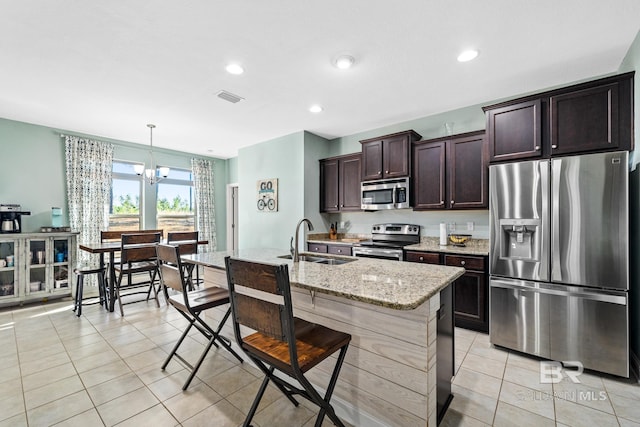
{"points": [[234, 69], [467, 55], [344, 62], [315, 109]]}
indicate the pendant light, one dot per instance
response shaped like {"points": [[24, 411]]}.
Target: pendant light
{"points": [[151, 173]]}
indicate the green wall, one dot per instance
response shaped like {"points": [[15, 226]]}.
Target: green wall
{"points": [[464, 120], [315, 148], [32, 173], [281, 158], [232, 170]]}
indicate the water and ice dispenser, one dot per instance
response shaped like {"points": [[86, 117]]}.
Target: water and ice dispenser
{"points": [[520, 239]]}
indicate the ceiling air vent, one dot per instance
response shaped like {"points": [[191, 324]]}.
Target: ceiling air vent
{"points": [[228, 96]]}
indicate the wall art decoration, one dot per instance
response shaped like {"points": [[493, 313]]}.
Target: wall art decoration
{"points": [[267, 199]]}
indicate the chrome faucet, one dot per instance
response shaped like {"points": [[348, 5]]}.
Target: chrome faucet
{"points": [[296, 257]]}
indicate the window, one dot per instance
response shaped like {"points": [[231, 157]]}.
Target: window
{"points": [[126, 188], [175, 202]]}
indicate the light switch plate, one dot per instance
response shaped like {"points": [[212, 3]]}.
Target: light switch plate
{"points": [[470, 226]]}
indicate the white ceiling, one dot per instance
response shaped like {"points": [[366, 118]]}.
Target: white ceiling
{"points": [[107, 68]]}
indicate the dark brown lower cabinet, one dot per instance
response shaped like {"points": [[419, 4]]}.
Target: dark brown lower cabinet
{"points": [[471, 301], [340, 249], [470, 292]]}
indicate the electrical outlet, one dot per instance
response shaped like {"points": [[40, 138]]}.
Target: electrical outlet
{"points": [[470, 226]]}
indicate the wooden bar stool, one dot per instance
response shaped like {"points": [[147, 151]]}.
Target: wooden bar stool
{"points": [[81, 271], [261, 300], [191, 304]]}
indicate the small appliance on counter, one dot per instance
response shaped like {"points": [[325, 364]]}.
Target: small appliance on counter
{"points": [[56, 222], [11, 218]]}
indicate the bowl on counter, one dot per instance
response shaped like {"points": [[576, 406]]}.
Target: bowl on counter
{"points": [[459, 239]]}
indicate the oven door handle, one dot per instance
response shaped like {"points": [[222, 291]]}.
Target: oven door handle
{"points": [[385, 253]]}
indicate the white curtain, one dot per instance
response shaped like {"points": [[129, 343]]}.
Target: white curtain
{"points": [[205, 212], [89, 166]]}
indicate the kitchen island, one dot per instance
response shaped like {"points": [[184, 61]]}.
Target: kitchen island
{"points": [[389, 308]]}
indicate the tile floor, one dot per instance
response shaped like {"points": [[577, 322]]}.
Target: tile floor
{"points": [[496, 387], [101, 369]]}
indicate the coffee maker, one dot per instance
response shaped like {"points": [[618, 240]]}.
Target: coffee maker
{"points": [[11, 218]]}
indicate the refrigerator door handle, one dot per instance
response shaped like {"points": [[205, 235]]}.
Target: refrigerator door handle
{"points": [[602, 296], [556, 169]]}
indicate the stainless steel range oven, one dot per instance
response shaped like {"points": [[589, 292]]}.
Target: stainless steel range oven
{"points": [[387, 241]]}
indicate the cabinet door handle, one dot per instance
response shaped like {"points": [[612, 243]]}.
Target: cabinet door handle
{"points": [[421, 258], [442, 202], [339, 251], [452, 202], [386, 171], [342, 206], [378, 172], [554, 146], [537, 148], [463, 262], [335, 206]]}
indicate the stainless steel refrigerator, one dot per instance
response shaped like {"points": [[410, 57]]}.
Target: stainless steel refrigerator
{"points": [[559, 273]]}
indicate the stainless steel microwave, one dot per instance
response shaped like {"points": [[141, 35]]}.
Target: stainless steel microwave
{"points": [[385, 194]]}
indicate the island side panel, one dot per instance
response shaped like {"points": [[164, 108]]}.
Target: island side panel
{"points": [[390, 369]]}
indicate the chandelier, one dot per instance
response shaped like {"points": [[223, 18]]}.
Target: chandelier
{"points": [[153, 173]]}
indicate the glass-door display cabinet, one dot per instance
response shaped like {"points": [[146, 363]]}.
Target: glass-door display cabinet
{"points": [[41, 266], [9, 277]]}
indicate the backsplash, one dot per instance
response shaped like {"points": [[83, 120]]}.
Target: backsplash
{"points": [[429, 222]]}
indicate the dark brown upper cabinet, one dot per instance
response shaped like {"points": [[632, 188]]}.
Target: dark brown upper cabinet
{"points": [[585, 120], [451, 173], [340, 183], [588, 117], [429, 164], [387, 156], [514, 131], [468, 169]]}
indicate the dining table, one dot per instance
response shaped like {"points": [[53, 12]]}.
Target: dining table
{"points": [[111, 248]]}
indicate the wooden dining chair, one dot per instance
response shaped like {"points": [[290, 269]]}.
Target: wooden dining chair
{"points": [[191, 305], [261, 300], [137, 255], [116, 236], [188, 246]]}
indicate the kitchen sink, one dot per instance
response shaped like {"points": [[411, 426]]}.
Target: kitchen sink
{"points": [[320, 259]]}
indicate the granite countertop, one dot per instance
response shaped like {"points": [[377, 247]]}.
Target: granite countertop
{"points": [[341, 238], [391, 284], [432, 244]]}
